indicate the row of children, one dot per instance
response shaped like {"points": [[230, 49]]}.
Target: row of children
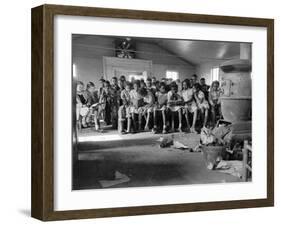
{"points": [[130, 102]]}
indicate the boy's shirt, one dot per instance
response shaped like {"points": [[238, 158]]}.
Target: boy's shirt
{"points": [[152, 90], [116, 91], [81, 98], [106, 95], [92, 98], [205, 89], [115, 87], [100, 90]]}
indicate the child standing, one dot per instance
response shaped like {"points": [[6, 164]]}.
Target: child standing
{"points": [[92, 103], [204, 87], [81, 105], [115, 101], [105, 99], [161, 105], [214, 100], [136, 103], [190, 106], [202, 103], [102, 82], [174, 105], [124, 110]]}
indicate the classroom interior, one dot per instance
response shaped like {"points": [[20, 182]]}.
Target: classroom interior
{"points": [[113, 160]]}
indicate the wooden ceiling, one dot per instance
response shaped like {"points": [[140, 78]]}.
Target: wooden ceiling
{"points": [[193, 51]]}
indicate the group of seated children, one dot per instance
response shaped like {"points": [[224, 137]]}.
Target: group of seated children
{"points": [[143, 105]]}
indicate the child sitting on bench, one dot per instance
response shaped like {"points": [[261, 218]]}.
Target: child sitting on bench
{"points": [[175, 105]]}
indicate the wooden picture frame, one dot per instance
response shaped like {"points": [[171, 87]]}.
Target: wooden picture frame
{"points": [[42, 204]]}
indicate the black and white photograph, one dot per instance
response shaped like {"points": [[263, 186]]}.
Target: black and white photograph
{"points": [[160, 112]]}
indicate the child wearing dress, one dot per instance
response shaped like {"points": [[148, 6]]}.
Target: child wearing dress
{"points": [[202, 103], [161, 105], [175, 105], [92, 103], [214, 100], [190, 106], [147, 109], [115, 89], [124, 110], [106, 100], [81, 105], [136, 104]]}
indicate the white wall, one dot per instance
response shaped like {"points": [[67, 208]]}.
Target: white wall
{"points": [[89, 63], [88, 69], [15, 113], [162, 63], [159, 70], [204, 70]]}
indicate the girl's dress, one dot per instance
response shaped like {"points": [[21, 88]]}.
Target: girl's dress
{"points": [[202, 103], [149, 101], [124, 109], [162, 99], [214, 96], [81, 107], [115, 105], [190, 104], [106, 100], [136, 102], [174, 101]]}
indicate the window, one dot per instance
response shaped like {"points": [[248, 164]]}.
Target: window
{"points": [[215, 76], [137, 76], [174, 75], [74, 71]]}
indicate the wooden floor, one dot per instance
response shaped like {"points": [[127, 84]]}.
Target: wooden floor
{"points": [[139, 157]]}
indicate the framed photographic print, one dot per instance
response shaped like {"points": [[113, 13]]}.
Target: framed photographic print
{"points": [[141, 112]]}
